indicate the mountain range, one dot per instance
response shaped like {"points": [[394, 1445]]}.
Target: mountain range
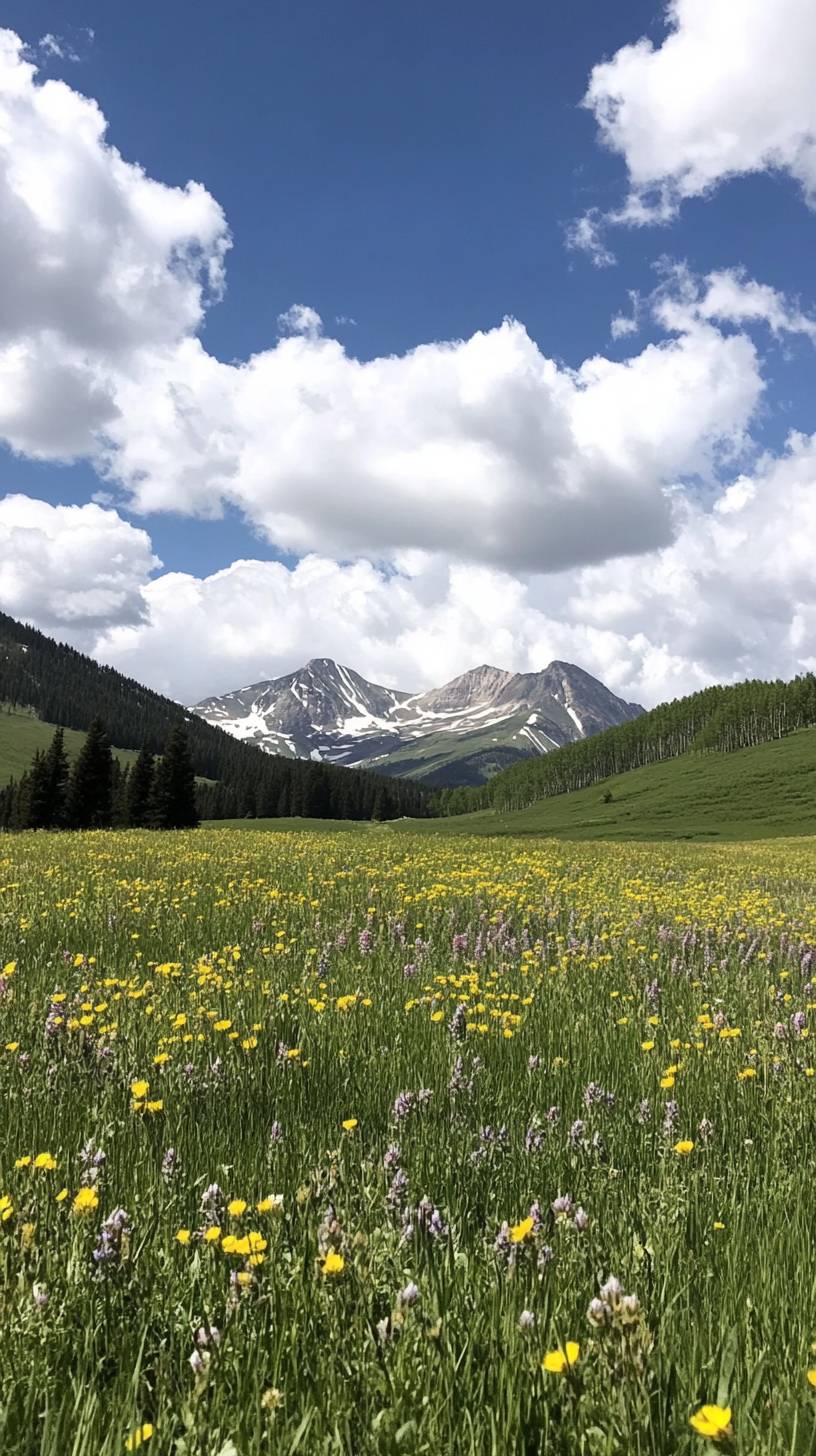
{"points": [[458, 734]]}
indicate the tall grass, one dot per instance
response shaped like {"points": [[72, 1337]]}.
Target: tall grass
{"points": [[617, 1030]]}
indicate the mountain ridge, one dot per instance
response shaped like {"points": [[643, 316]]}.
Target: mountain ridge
{"points": [[457, 734]]}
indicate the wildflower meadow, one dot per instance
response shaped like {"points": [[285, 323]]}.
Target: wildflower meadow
{"points": [[372, 1143]]}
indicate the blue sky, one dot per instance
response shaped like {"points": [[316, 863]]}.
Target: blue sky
{"points": [[410, 173]]}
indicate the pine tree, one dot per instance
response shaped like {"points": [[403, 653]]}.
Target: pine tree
{"points": [[119, 795], [38, 809], [173, 802], [90, 788], [18, 818], [140, 785], [58, 778]]}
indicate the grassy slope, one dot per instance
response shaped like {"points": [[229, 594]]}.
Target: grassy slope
{"points": [[758, 793], [330, 826], [460, 758], [21, 734]]}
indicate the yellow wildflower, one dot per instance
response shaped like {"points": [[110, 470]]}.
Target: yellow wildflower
{"points": [[521, 1231], [85, 1201], [138, 1437], [271, 1204], [557, 1362], [712, 1421]]}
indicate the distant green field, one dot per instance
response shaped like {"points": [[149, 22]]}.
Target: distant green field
{"points": [[757, 793], [21, 734], [766, 792], [333, 826]]}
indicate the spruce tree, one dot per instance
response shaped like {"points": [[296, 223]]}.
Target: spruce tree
{"points": [[173, 802], [18, 818], [38, 809], [140, 786], [119, 795], [90, 788], [58, 778]]}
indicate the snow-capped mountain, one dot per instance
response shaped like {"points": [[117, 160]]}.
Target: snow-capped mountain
{"points": [[460, 733]]}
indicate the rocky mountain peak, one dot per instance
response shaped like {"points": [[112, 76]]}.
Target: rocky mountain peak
{"points": [[458, 733]]}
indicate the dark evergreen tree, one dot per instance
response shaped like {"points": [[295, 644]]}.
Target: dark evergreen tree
{"points": [[18, 813], [139, 790], [119, 795], [38, 813], [91, 783], [173, 801], [58, 779]]}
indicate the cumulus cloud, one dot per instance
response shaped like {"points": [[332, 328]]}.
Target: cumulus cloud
{"points": [[483, 448], [729, 91], [734, 595], [97, 260], [299, 318], [73, 570]]}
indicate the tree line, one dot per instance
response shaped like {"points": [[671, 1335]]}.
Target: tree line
{"points": [[717, 719], [64, 686], [98, 792]]}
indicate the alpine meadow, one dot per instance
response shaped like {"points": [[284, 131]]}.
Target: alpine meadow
{"points": [[407, 728], [363, 1142]]}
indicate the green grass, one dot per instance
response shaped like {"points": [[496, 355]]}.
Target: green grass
{"points": [[317, 826], [21, 734], [757, 793], [563, 1014]]}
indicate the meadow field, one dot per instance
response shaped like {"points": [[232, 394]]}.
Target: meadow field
{"points": [[380, 1143]]}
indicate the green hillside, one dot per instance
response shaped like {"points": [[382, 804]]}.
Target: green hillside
{"points": [[753, 793], [21, 734], [464, 758]]}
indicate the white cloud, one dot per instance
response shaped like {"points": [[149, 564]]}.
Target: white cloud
{"points": [[54, 45], [727, 296], [483, 449], [299, 318], [51, 47], [72, 569], [624, 325], [734, 595], [729, 91], [585, 235], [97, 260]]}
